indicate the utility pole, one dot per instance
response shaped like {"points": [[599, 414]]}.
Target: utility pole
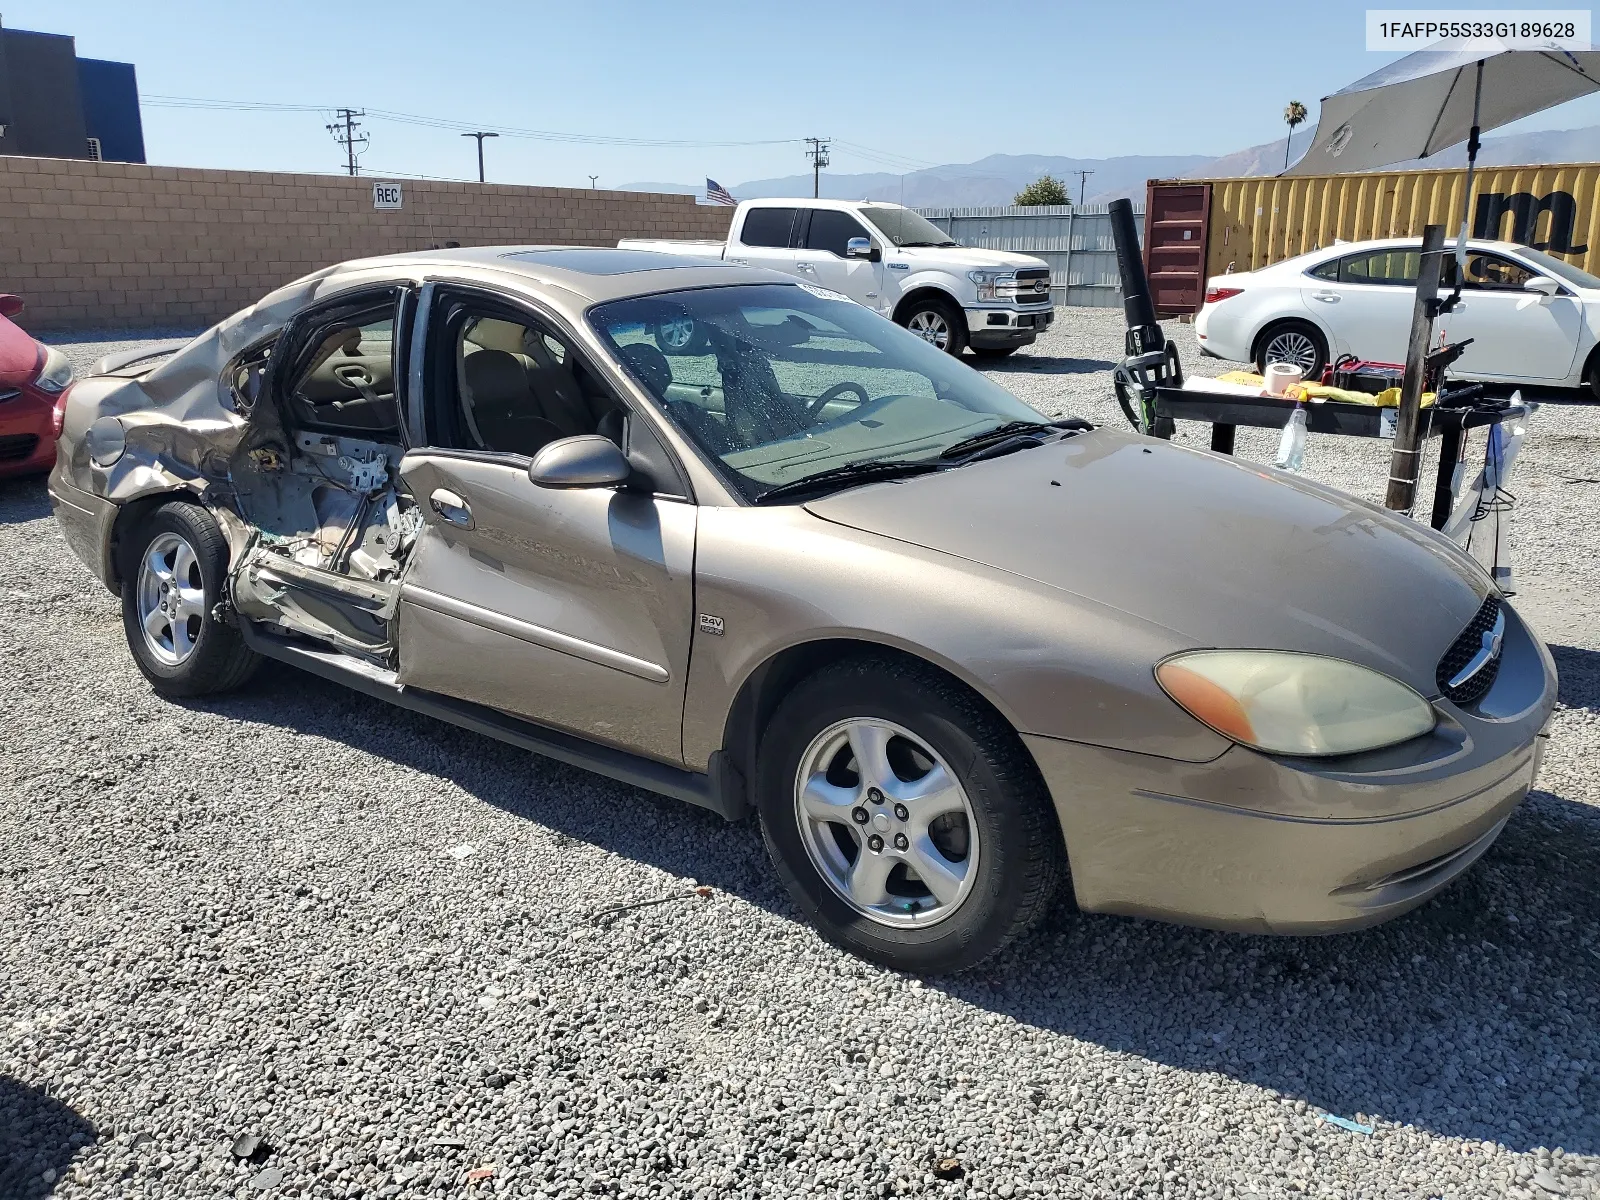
{"points": [[344, 132], [480, 137], [1083, 177], [818, 154]]}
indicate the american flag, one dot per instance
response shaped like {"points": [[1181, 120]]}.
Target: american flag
{"points": [[717, 194]]}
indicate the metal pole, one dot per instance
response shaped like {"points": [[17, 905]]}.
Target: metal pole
{"points": [[1473, 143], [480, 137], [1407, 454]]}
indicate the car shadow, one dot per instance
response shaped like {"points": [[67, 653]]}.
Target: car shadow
{"points": [[23, 499], [1579, 673], [39, 1136], [1473, 1017]]}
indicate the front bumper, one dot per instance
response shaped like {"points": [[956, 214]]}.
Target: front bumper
{"points": [[1258, 844], [992, 327], [27, 443]]}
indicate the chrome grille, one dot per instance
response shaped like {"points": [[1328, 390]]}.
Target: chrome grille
{"points": [[1464, 650]]}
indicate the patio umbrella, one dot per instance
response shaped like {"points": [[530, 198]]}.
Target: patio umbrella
{"points": [[1433, 99]]}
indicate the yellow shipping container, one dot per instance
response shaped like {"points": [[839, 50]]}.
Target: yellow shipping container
{"points": [[1254, 222]]}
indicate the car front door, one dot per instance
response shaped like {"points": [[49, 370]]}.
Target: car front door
{"points": [[820, 257], [1516, 334], [572, 608], [1365, 300]]}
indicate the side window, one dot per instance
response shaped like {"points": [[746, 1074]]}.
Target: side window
{"points": [[1397, 268], [767, 227], [343, 380], [831, 229], [504, 383], [1328, 270], [1490, 272]]}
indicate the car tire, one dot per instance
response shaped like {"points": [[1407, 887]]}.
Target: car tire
{"points": [[680, 335], [936, 321], [173, 571], [996, 884], [1297, 342], [995, 351]]}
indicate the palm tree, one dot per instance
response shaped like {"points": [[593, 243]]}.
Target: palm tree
{"points": [[1292, 116]]}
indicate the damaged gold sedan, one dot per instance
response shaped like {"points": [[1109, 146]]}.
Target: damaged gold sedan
{"points": [[737, 540]]}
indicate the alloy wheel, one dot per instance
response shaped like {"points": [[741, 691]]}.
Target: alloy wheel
{"points": [[171, 598], [931, 326], [677, 332], [886, 823], [1294, 348]]}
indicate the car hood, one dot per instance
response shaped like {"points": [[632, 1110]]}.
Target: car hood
{"points": [[968, 256], [1220, 552]]}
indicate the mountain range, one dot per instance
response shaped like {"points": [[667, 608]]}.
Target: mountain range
{"points": [[999, 177]]}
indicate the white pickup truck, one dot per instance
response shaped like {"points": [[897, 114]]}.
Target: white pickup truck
{"points": [[890, 259]]}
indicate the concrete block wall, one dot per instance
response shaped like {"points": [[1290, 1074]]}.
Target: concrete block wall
{"points": [[101, 245]]}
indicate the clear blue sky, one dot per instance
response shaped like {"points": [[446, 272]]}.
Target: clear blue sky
{"points": [[932, 82]]}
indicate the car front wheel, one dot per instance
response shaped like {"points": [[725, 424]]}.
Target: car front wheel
{"points": [[938, 322], [172, 581], [905, 817]]}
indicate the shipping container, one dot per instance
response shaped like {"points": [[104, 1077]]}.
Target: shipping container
{"points": [[1195, 229]]}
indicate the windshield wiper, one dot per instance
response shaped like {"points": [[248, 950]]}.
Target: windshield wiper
{"points": [[1013, 435], [867, 470], [935, 245]]}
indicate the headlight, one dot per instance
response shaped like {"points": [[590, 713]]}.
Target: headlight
{"points": [[986, 279], [56, 373], [1299, 704]]}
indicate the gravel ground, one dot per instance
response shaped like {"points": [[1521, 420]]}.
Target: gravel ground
{"points": [[392, 951]]}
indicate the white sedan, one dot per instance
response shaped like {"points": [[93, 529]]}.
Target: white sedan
{"points": [[1532, 317]]}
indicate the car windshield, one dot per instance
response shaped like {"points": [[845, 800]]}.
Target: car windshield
{"points": [[904, 227], [779, 382], [1553, 266]]}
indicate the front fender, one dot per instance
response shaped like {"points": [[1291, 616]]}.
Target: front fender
{"points": [[1050, 663], [957, 287]]}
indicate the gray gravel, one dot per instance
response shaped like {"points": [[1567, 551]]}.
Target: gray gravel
{"points": [[382, 947]]}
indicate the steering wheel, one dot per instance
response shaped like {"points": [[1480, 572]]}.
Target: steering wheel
{"points": [[814, 409]]}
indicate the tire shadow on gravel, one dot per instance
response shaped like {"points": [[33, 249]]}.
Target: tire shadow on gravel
{"points": [[689, 842], [1040, 364], [39, 1137], [1476, 1016], [23, 500]]}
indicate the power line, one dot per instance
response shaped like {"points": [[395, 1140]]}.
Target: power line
{"points": [[380, 114], [344, 132]]}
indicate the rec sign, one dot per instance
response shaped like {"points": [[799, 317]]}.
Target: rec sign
{"points": [[387, 195]]}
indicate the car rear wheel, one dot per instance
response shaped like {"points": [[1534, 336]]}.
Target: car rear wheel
{"points": [[905, 817], [172, 580], [937, 322], [1297, 343]]}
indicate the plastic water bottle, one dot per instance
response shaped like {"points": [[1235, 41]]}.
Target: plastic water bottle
{"points": [[1292, 445]]}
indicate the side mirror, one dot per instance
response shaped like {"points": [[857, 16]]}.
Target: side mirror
{"points": [[1542, 284], [585, 461], [11, 305], [859, 247]]}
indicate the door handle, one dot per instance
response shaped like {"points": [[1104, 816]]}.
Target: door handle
{"points": [[1326, 297], [451, 507]]}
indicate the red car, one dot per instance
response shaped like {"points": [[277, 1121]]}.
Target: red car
{"points": [[32, 378]]}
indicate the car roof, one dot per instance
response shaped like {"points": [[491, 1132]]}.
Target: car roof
{"points": [[592, 273], [1339, 249]]}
